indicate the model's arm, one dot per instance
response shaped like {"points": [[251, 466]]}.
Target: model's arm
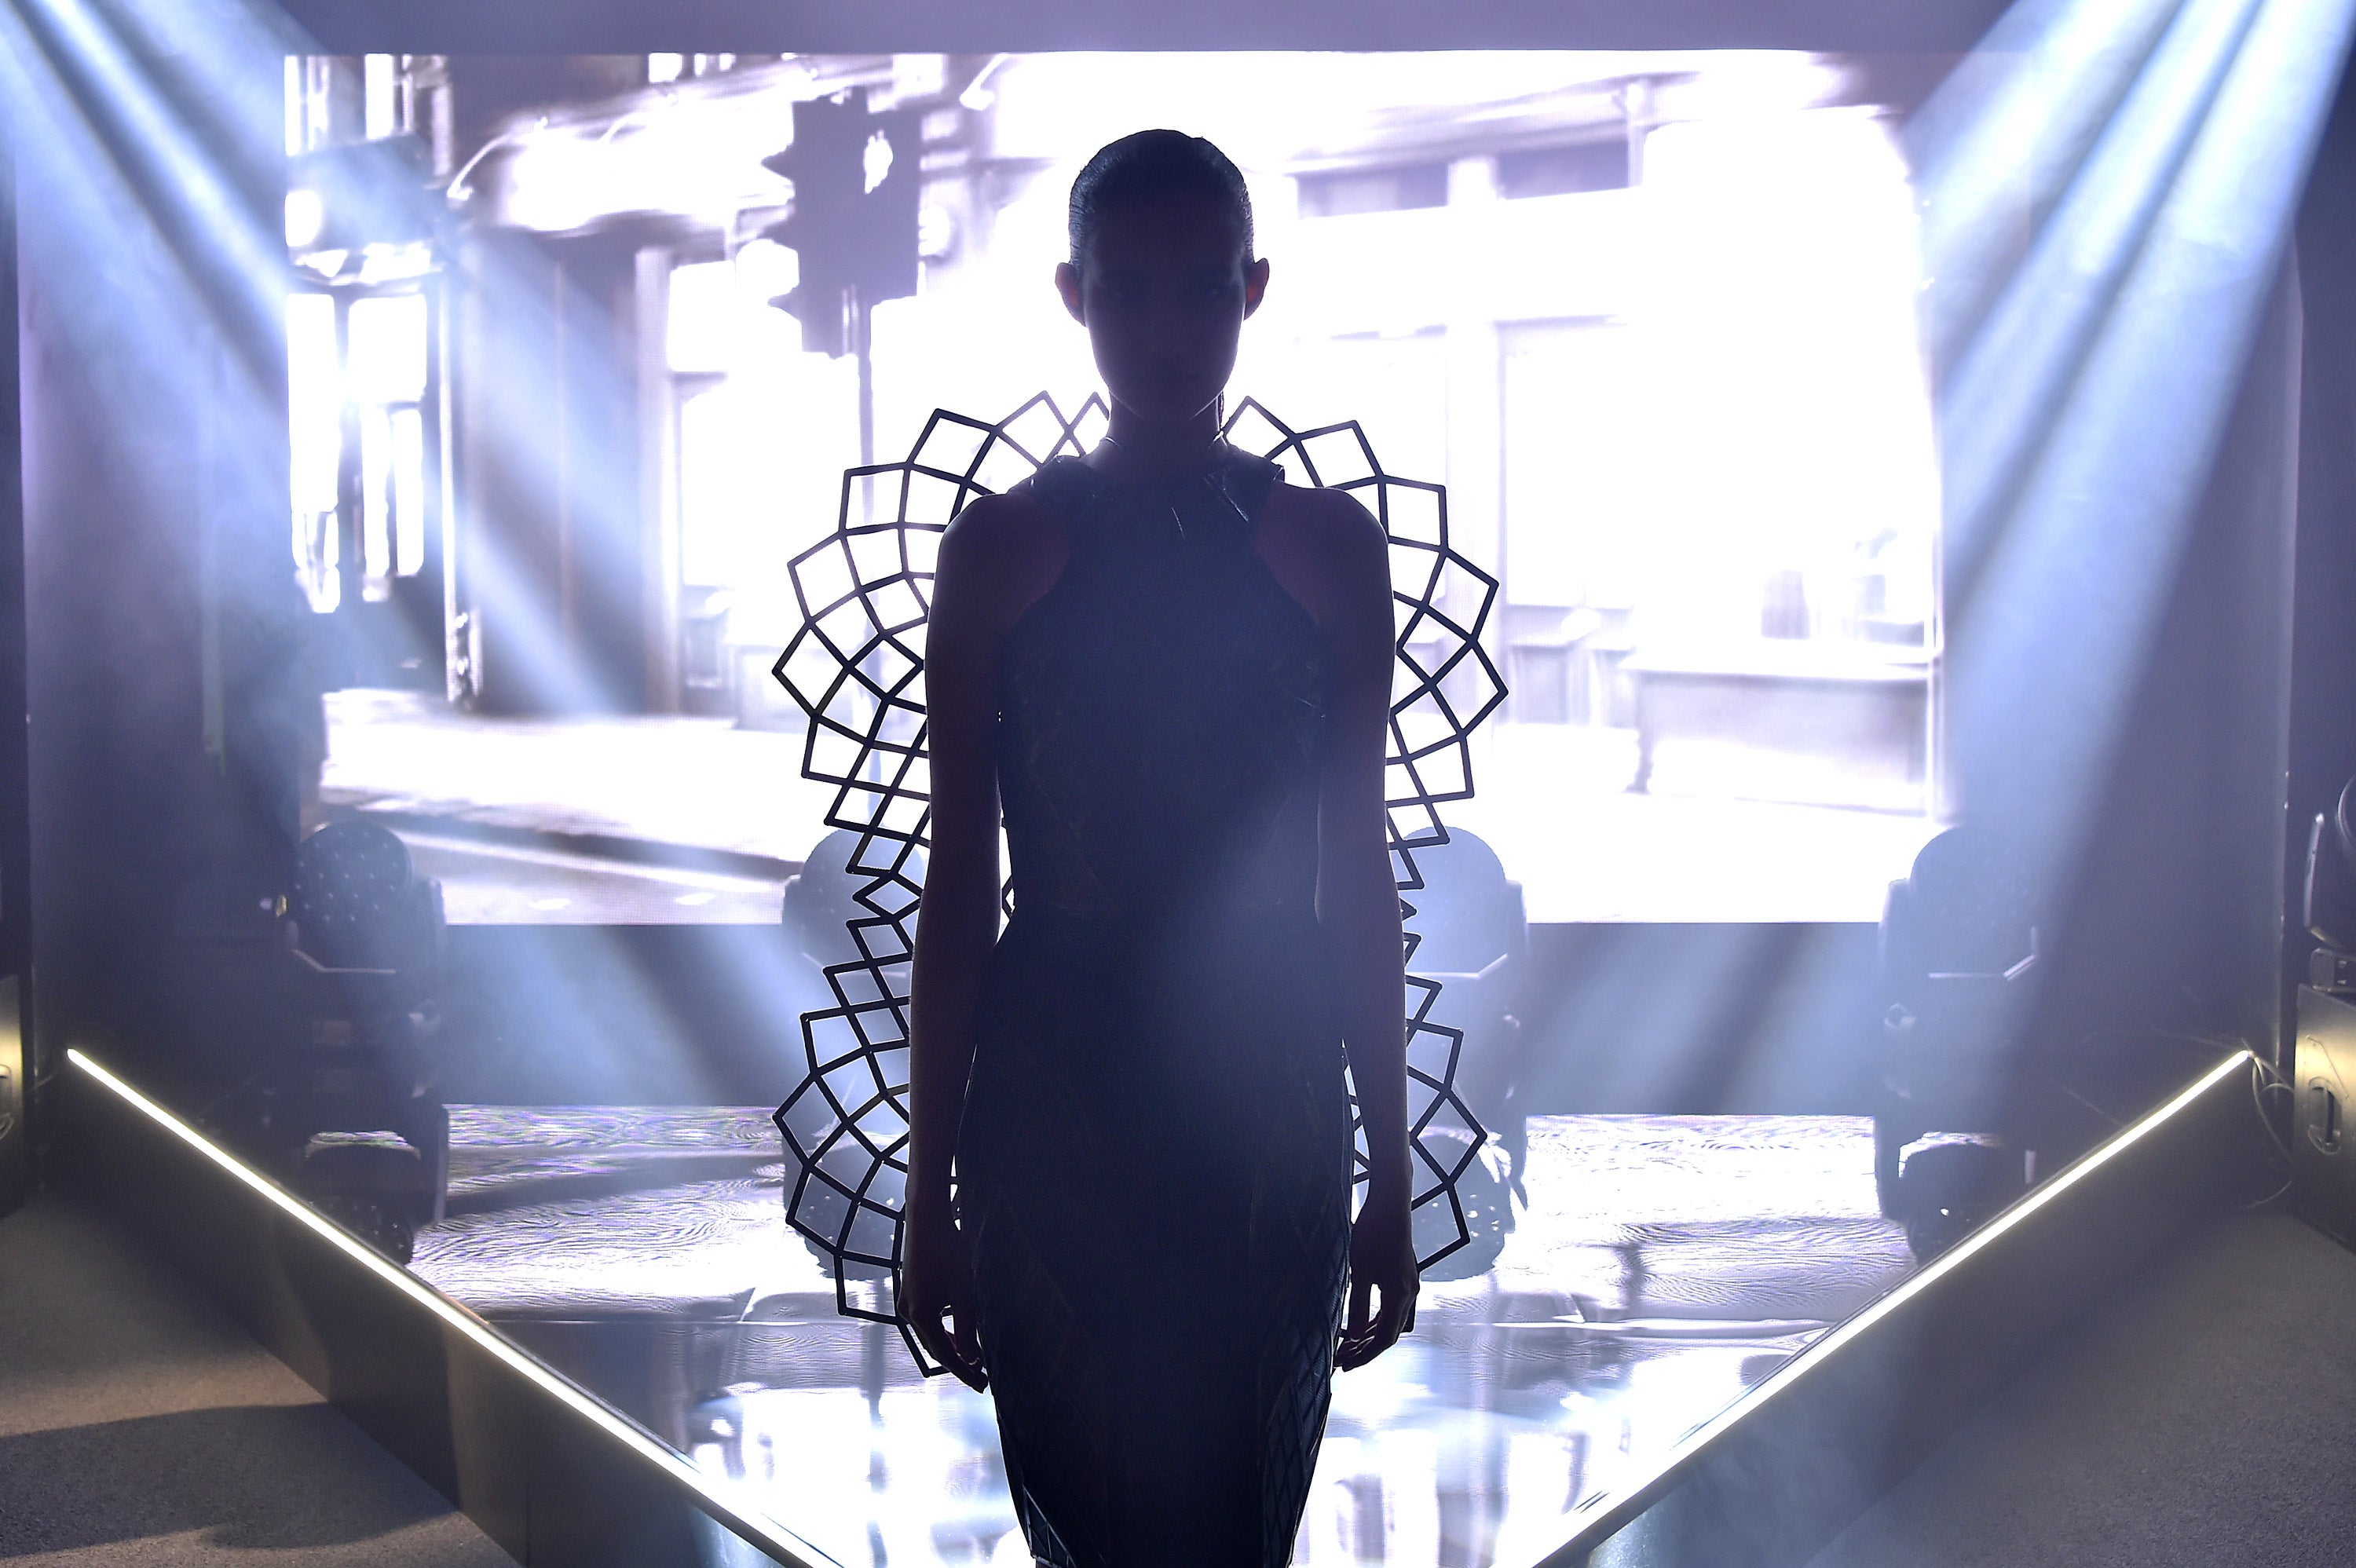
{"points": [[1357, 902], [978, 577]]}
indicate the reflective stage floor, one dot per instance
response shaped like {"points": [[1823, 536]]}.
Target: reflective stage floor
{"points": [[1663, 1265]]}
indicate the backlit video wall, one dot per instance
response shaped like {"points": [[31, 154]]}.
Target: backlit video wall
{"points": [[560, 431]]}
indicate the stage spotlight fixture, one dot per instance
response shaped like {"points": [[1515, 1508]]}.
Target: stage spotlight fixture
{"points": [[1472, 936], [819, 905], [2323, 1160], [1959, 942], [2329, 901], [345, 1109]]}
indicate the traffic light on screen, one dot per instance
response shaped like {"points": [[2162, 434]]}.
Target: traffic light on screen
{"points": [[852, 227]]}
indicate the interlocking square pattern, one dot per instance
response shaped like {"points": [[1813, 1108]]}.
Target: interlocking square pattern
{"points": [[856, 669]]}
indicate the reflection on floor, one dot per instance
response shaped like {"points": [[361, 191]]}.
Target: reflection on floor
{"points": [[1664, 1266]]}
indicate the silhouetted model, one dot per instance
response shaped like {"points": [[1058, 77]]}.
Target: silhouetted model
{"points": [[1171, 671]]}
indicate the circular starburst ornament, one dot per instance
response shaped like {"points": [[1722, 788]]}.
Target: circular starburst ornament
{"points": [[856, 667]]}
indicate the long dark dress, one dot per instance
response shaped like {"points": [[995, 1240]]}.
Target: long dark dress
{"points": [[1154, 1168]]}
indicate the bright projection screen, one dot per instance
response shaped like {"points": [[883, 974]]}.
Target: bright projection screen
{"points": [[1652, 318]]}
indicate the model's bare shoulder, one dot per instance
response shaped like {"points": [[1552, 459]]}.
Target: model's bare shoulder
{"points": [[1004, 551], [1318, 506], [1011, 519], [1325, 548], [1330, 524]]}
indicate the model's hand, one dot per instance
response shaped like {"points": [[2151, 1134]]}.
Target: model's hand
{"points": [[936, 1292], [1382, 1259]]}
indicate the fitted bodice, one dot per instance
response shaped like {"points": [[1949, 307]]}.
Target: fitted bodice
{"points": [[1154, 1163], [1162, 709]]}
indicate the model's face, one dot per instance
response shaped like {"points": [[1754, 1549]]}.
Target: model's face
{"points": [[1164, 291]]}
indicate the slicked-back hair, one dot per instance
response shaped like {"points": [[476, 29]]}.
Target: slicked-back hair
{"points": [[1148, 165]]}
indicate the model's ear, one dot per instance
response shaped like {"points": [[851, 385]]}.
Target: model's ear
{"points": [[1067, 283], [1254, 284]]}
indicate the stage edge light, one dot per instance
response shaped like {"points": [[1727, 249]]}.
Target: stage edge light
{"points": [[1889, 1305], [758, 1529]]}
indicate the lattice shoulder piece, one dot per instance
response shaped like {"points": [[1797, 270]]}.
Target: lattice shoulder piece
{"points": [[856, 667]]}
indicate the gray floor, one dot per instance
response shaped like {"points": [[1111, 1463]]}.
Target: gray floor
{"points": [[140, 1427], [2206, 1416]]}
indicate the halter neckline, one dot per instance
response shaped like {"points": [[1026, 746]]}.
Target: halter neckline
{"points": [[1220, 455]]}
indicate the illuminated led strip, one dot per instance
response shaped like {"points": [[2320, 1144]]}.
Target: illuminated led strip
{"points": [[755, 1528], [1749, 1404]]}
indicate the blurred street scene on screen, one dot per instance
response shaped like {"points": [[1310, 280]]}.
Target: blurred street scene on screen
{"points": [[560, 424]]}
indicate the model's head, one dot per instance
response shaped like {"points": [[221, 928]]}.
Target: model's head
{"points": [[1161, 271]]}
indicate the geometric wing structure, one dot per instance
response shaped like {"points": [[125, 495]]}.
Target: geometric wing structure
{"points": [[856, 669], [1444, 685]]}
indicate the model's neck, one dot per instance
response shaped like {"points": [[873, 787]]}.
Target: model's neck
{"points": [[1137, 448]]}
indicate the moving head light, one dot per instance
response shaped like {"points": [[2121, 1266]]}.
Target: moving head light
{"points": [[346, 1110], [1959, 944], [2329, 902]]}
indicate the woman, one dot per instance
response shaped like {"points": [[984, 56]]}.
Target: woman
{"points": [[1170, 672]]}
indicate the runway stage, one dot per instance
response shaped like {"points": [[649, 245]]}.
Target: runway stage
{"points": [[1663, 1266]]}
